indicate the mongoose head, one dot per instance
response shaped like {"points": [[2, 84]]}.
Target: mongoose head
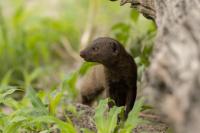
{"points": [[103, 50]]}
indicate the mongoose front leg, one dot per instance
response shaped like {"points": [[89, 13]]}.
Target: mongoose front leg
{"points": [[130, 100], [112, 102]]}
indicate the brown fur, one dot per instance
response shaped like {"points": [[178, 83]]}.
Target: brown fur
{"points": [[92, 85], [119, 68]]}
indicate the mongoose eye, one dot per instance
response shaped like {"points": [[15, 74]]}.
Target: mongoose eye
{"points": [[95, 48]]}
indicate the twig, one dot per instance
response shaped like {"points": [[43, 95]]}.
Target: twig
{"points": [[67, 46], [87, 35]]}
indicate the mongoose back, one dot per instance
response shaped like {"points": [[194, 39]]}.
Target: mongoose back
{"points": [[119, 68], [92, 85]]}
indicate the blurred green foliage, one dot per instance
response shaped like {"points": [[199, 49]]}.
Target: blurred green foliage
{"points": [[137, 35], [30, 37]]}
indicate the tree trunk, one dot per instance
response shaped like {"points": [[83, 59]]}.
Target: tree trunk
{"points": [[173, 78]]}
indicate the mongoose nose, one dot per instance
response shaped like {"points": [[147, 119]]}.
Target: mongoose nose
{"points": [[82, 54]]}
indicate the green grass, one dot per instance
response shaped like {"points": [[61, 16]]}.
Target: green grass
{"points": [[32, 114]]}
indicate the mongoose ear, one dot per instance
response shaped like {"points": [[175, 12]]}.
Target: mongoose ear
{"points": [[115, 48]]}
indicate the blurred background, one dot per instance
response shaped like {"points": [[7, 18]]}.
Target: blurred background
{"points": [[40, 42]]}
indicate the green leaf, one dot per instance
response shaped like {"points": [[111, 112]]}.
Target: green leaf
{"points": [[54, 101], [63, 126], [85, 130], [121, 32], [146, 107], [70, 84], [36, 73], [134, 15], [121, 26], [35, 100], [21, 121], [99, 115], [106, 121], [71, 108], [133, 118], [6, 78], [12, 128], [18, 119], [30, 77], [112, 118], [85, 66], [5, 91], [9, 91], [170, 130], [14, 124]]}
